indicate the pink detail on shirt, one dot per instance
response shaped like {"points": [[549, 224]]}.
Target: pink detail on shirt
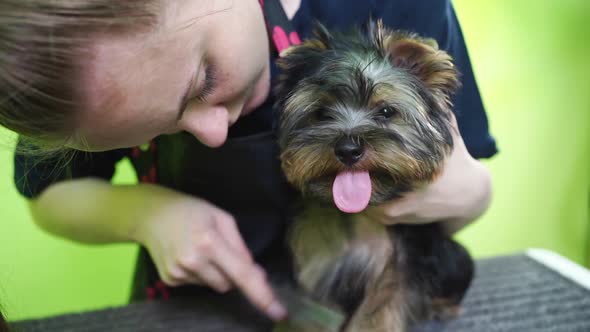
{"points": [[294, 38], [280, 38], [135, 152], [161, 286], [153, 175], [151, 293]]}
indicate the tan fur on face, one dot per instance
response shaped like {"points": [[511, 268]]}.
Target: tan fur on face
{"points": [[308, 162], [402, 166]]}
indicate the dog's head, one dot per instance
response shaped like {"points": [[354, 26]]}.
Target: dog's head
{"points": [[365, 116]]}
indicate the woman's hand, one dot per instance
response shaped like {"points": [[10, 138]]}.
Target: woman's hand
{"points": [[190, 240], [193, 242], [459, 195]]}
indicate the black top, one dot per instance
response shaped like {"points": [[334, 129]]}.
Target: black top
{"points": [[243, 176]]}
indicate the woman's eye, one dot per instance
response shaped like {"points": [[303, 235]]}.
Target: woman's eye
{"points": [[209, 84], [386, 112]]}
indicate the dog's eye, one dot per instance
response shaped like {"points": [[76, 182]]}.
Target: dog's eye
{"points": [[386, 112], [323, 115]]}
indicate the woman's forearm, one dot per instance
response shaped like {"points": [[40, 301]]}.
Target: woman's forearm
{"points": [[93, 210]]}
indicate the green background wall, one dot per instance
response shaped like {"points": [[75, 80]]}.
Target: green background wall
{"points": [[531, 61]]}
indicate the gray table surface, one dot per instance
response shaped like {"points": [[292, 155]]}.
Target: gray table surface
{"points": [[509, 293]]}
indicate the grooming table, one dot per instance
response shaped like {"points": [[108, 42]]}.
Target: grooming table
{"points": [[535, 291]]}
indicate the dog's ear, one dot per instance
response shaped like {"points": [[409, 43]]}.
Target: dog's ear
{"points": [[321, 41], [422, 58], [375, 31], [322, 34]]}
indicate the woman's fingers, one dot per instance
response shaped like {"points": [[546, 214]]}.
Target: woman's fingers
{"points": [[249, 278], [211, 275], [228, 230]]}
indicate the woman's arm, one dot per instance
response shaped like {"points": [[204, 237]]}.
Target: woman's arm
{"points": [[190, 240]]}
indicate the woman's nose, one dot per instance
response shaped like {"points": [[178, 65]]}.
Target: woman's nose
{"points": [[209, 125], [234, 110]]}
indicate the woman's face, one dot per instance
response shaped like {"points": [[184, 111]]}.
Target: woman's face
{"points": [[205, 65]]}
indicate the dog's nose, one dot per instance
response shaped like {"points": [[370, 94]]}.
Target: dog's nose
{"points": [[348, 151]]}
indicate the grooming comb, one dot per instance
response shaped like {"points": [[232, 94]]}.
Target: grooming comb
{"points": [[306, 314]]}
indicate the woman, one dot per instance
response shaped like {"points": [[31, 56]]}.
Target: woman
{"points": [[193, 78]]}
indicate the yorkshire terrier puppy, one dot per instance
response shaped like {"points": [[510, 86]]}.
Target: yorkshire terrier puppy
{"points": [[365, 118]]}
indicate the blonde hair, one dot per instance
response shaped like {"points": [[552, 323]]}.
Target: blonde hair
{"points": [[41, 44]]}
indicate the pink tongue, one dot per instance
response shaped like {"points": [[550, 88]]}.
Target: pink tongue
{"points": [[352, 191]]}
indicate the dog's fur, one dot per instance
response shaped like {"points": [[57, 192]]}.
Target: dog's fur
{"points": [[389, 92]]}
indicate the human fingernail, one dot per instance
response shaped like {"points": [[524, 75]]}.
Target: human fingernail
{"points": [[276, 311], [260, 271], [224, 288]]}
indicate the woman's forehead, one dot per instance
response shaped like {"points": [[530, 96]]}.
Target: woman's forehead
{"points": [[119, 65], [178, 15]]}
